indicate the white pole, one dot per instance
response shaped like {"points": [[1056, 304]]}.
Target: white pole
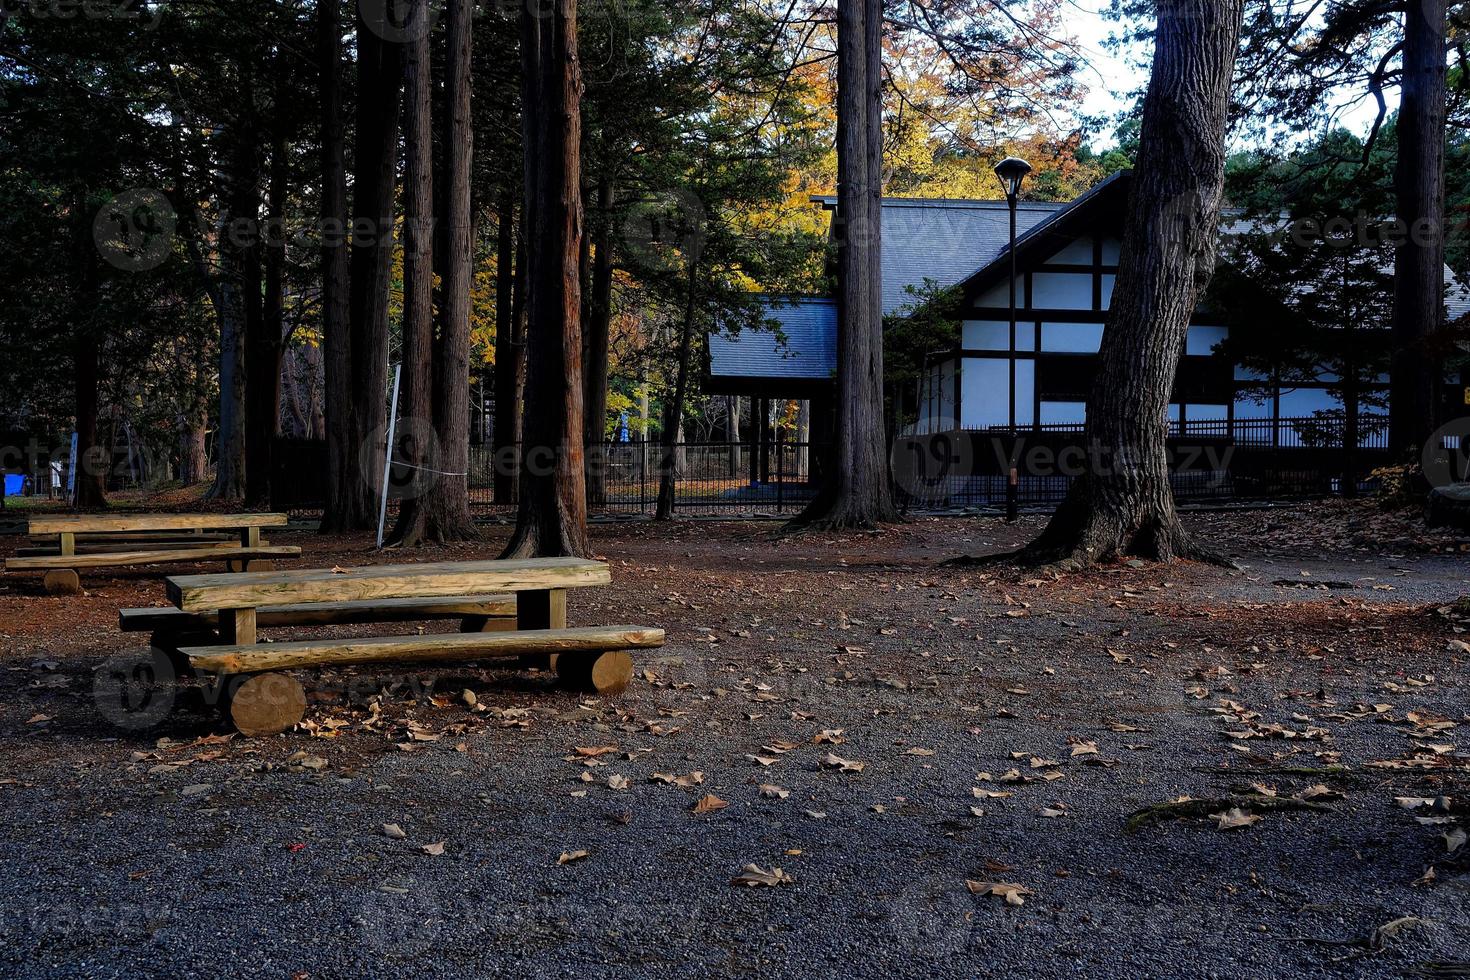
{"points": [[71, 472], [388, 453]]}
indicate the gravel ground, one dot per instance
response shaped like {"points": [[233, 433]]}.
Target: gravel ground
{"points": [[177, 852]]}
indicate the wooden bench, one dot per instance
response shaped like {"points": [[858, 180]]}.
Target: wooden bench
{"points": [[260, 699], [106, 541]]}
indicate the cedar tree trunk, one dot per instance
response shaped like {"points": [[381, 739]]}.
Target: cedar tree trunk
{"points": [[551, 519], [857, 492], [336, 333], [1418, 282], [509, 348], [417, 395], [448, 499]]}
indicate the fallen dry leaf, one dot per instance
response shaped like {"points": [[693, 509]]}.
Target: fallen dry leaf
{"points": [[1013, 894], [1234, 819], [771, 791], [753, 875], [567, 857], [709, 803], [433, 850], [834, 761]]}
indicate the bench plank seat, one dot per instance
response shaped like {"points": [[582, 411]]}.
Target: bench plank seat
{"points": [[195, 593], [86, 524], [259, 658], [154, 557], [92, 546], [325, 613]]}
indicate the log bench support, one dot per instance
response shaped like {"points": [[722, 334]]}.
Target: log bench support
{"points": [[541, 609], [60, 571], [590, 658]]}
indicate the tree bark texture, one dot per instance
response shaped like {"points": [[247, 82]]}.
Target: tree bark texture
{"points": [[1418, 285], [415, 419], [448, 499], [509, 349], [379, 81], [1124, 504], [599, 324], [857, 493], [551, 519], [265, 341], [336, 332]]}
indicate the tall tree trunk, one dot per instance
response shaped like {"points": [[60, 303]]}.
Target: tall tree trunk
{"points": [[732, 435], [1418, 293], [1351, 392], [193, 460], [415, 422], [93, 460], [448, 500], [509, 346], [379, 80], [857, 493], [599, 324], [673, 423], [1123, 504], [241, 313], [265, 342], [552, 515], [335, 302]]}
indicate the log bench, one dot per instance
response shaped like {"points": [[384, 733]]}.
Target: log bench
{"points": [[261, 699], [63, 545]]}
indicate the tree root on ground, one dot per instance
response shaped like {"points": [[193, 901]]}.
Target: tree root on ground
{"points": [[1184, 809], [1307, 772]]}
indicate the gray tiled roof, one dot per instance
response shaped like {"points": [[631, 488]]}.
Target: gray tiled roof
{"points": [[805, 347], [943, 239]]}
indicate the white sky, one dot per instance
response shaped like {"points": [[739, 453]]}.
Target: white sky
{"points": [[1111, 81]]}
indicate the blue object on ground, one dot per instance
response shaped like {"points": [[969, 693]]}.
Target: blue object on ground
{"points": [[15, 484]]}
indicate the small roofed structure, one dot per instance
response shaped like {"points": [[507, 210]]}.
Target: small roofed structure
{"points": [[795, 358]]}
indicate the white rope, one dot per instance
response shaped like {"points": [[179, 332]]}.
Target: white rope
{"points": [[426, 469]]}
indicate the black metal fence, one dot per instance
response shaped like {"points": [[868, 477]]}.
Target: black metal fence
{"points": [[1210, 460]]}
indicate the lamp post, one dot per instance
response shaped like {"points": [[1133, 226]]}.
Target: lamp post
{"points": [[1012, 171]]}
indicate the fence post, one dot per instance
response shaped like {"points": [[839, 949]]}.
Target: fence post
{"points": [[780, 459], [643, 476]]}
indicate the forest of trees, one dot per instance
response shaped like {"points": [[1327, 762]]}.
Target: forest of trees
{"points": [[225, 220]]}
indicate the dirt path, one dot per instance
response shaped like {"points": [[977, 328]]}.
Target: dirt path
{"points": [[178, 852]]}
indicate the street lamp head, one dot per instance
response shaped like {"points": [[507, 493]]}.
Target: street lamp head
{"points": [[1011, 171]]}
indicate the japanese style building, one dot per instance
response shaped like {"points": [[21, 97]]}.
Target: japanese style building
{"points": [[1038, 375]]}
